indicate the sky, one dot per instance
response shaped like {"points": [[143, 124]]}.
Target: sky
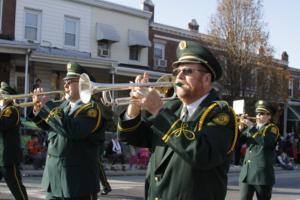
{"points": [[281, 16]]}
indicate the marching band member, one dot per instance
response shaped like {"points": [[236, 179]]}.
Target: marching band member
{"points": [[191, 137], [257, 173], [10, 144], [76, 131]]}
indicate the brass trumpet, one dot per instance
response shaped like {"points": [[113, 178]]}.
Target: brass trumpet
{"points": [[242, 117], [23, 96], [87, 88]]}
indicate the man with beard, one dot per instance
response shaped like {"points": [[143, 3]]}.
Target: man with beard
{"points": [[191, 137]]}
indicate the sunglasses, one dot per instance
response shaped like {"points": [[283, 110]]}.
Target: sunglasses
{"points": [[187, 71], [261, 113], [68, 82]]}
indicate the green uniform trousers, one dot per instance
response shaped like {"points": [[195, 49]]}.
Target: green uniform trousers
{"points": [[263, 192], [13, 180], [103, 178]]}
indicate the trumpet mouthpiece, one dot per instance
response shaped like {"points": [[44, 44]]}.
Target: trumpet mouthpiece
{"points": [[178, 84]]}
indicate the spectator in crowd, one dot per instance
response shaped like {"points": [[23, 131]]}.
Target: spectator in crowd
{"points": [[285, 161], [36, 152], [114, 152], [298, 150], [37, 84], [143, 157]]}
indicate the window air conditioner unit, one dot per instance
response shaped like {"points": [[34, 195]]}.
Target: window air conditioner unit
{"points": [[160, 63], [103, 52]]}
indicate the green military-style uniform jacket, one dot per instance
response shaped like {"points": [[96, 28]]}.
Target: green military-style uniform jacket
{"points": [[10, 145], [190, 159], [72, 165], [258, 167]]}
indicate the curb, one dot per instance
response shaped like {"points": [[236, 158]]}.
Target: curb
{"points": [[135, 172], [39, 173]]}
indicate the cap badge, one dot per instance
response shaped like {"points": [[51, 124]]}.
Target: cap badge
{"points": [[182, 45]]}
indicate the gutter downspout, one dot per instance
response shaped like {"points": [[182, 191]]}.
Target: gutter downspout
{"points": [[113, 74]]}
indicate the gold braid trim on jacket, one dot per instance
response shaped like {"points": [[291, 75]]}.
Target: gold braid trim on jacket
{"points": [[207, 111]]}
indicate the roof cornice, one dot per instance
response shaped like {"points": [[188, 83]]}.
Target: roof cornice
{"points": [[115, 7], [16, 47], [178, 31]]}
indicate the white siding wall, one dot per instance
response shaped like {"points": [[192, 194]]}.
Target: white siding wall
{"points": [[121, 22], [53, 13]]}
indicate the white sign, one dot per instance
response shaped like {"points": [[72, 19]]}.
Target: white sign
{"points": [[238, 106]]}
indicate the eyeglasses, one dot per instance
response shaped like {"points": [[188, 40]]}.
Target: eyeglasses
{"points": [[187, 71], [261, 113], [69, 81]]}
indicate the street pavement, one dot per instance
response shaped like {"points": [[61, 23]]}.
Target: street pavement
{"points": [[129, 185]]}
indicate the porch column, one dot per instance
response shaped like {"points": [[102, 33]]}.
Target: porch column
{"points": [[26, 84]]}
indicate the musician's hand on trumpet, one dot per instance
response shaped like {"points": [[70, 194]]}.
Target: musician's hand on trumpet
{"points": [[144, 97], [39, 99], [244, 121], [136, 94]]}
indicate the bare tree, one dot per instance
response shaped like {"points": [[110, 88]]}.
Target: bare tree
{"points": [[238, 32]]}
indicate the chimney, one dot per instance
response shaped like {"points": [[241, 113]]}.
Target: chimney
{"points": [[193, 26], [149, 6], [285, 56]]}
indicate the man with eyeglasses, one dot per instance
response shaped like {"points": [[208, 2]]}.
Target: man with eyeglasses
{"points": [[76, 131], [191, 137], [257, 173]]}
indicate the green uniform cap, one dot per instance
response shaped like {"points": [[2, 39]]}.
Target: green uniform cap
{"points": [[193, 52], [263, 106], [74, 70], [6, 89]]}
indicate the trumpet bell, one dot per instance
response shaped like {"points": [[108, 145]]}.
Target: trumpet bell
{"points": [[85, 88]]}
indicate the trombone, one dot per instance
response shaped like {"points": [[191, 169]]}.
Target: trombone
{"points": [[87, 89], [23, 96]]}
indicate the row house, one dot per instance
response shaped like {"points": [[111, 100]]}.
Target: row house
{"points": [[110, 40], [292, 108]]}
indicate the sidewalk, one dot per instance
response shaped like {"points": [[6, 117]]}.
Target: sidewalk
{"points": [[29, 171]]}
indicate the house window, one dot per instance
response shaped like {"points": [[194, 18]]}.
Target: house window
{"points": [[159, 55], [1, 13], [71, 32], [103, 48], [159, 51], [291, 88], [134, 52], [32, 24]]}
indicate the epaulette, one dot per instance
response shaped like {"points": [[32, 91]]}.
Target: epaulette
{"points": [[273, 129], [93, 111], [221, 119], [8, 111]]}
